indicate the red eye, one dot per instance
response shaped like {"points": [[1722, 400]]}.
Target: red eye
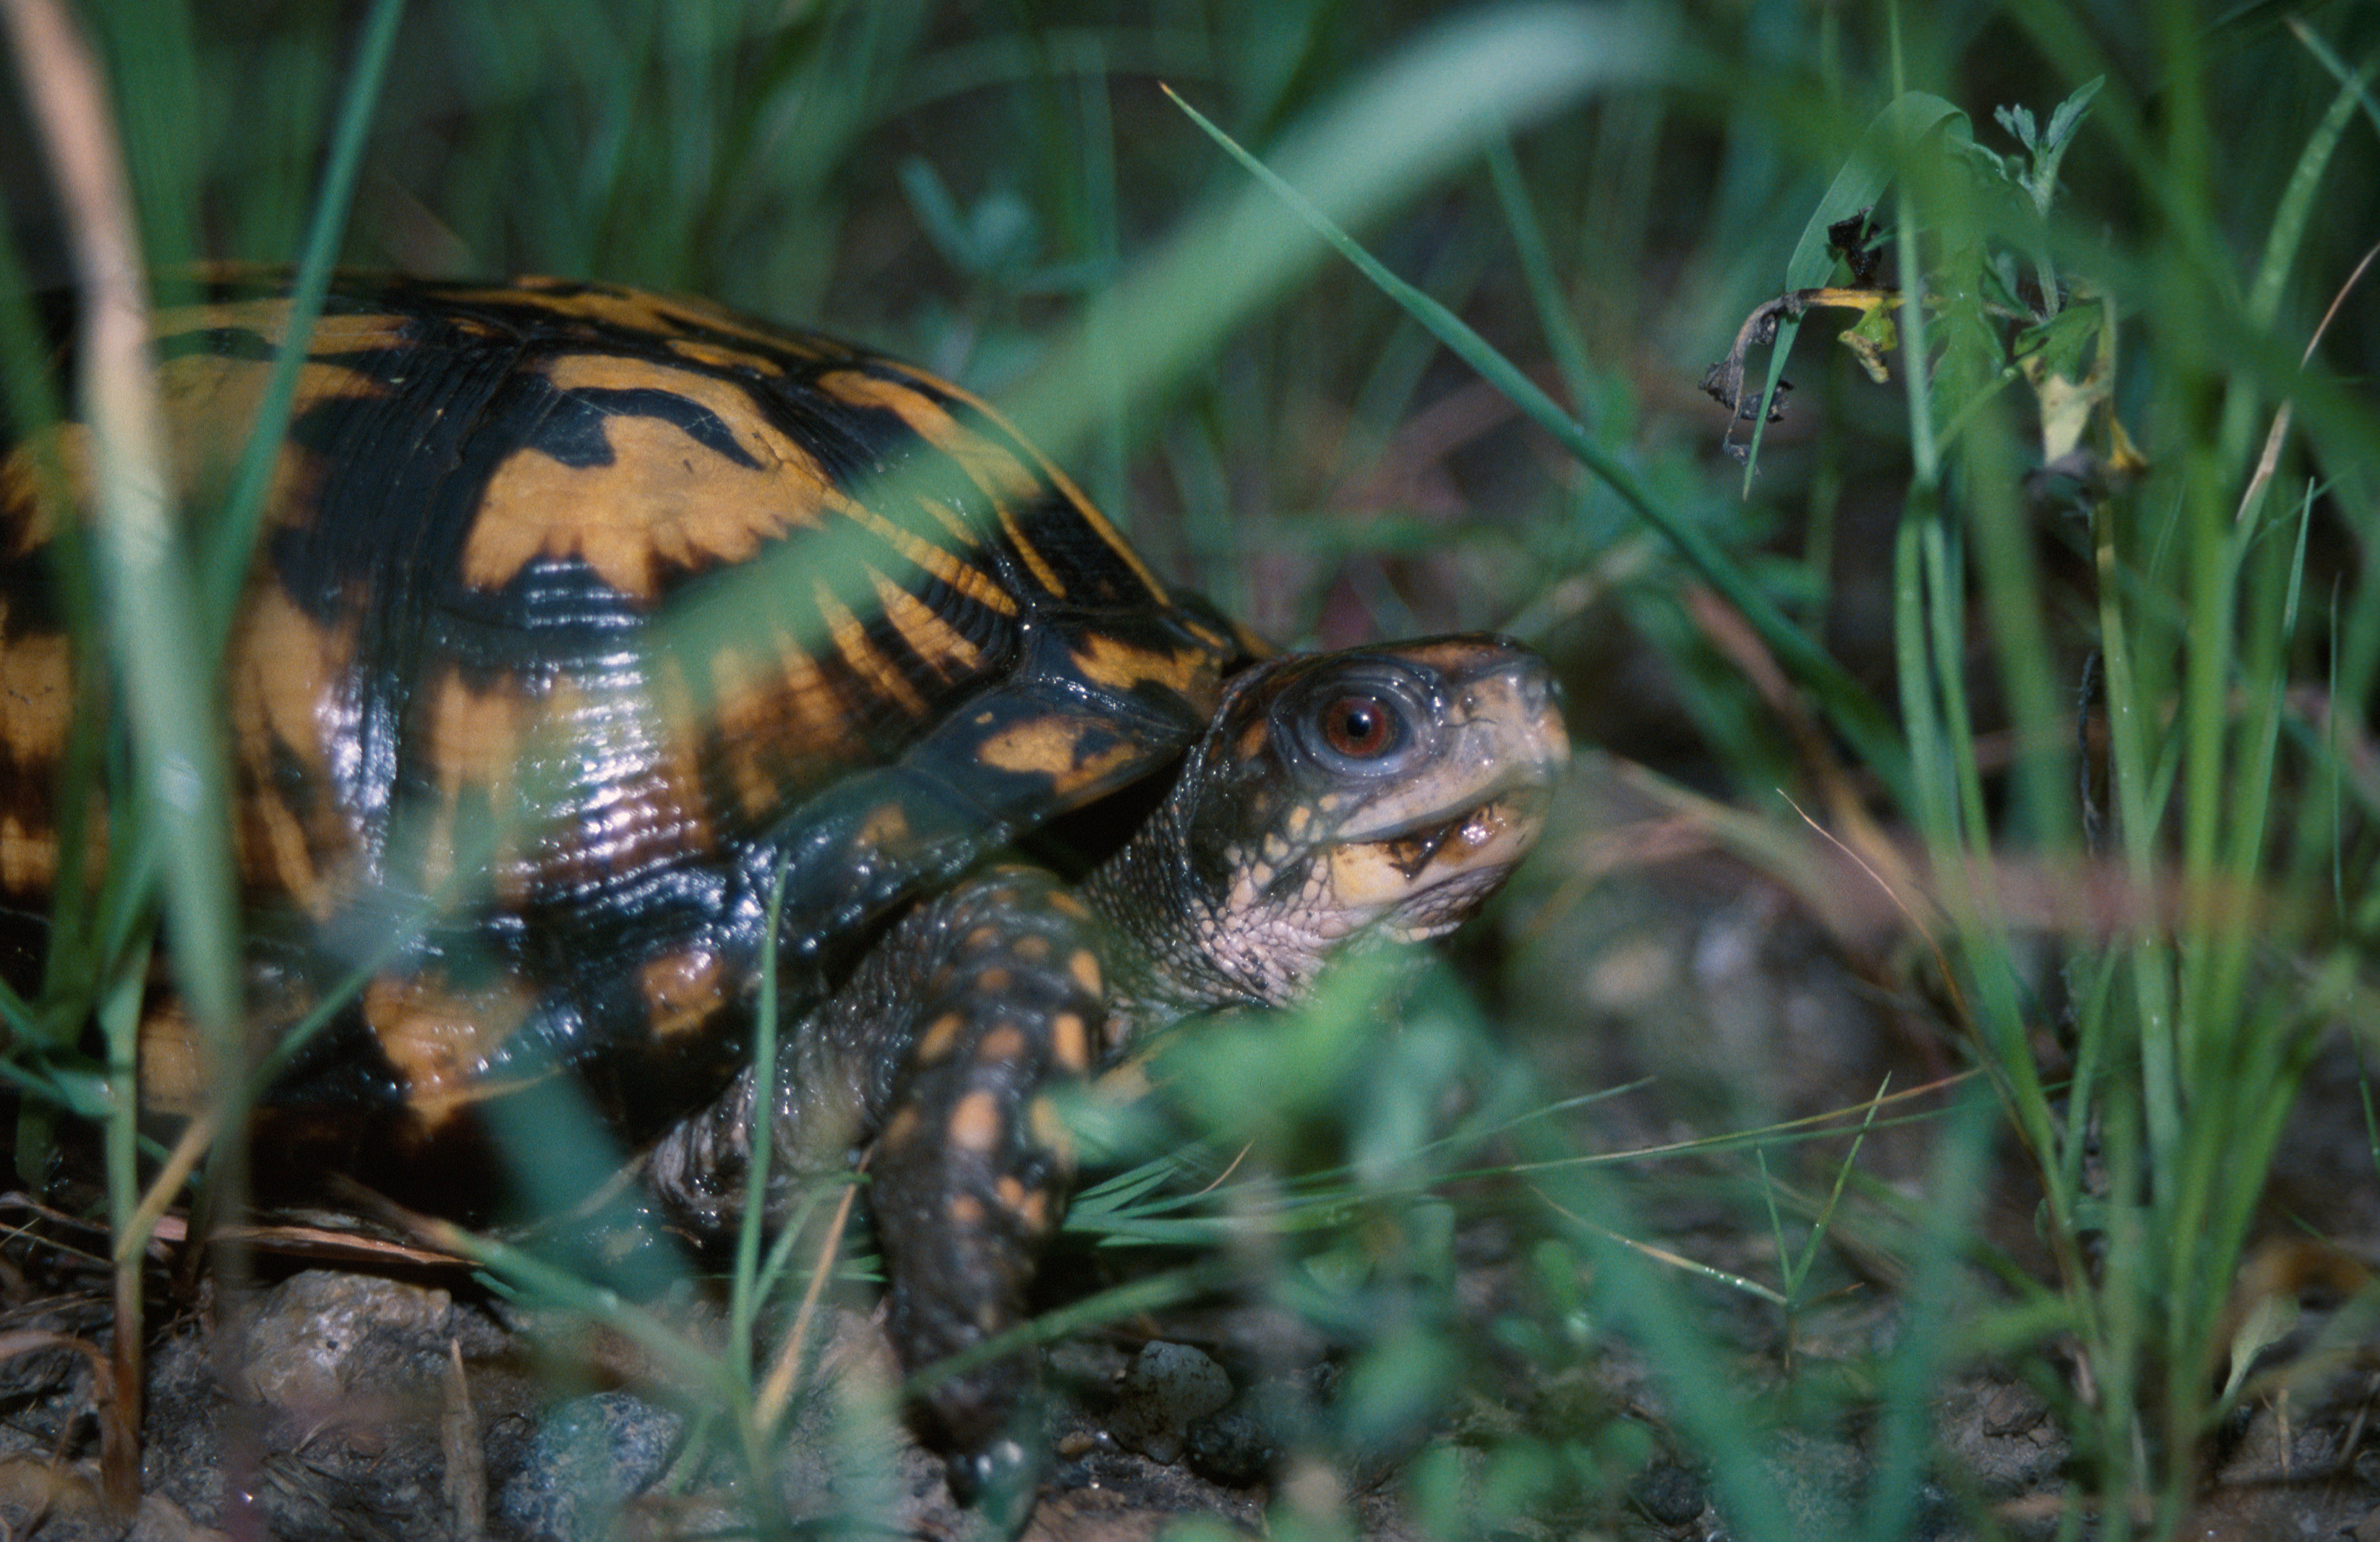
{"points": [[1358, 726]]}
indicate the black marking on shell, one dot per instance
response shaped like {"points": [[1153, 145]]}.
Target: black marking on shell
{"points": [[225, 342], [29, 597], [571, 428]]}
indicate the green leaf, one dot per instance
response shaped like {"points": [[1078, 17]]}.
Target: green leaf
{"points": [[2018, 121], [1895, 139], [2068, 114], [2062, 360], [1872, 340]]}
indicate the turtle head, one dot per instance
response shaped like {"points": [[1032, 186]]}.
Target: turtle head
{"points": [[1383, 791]]}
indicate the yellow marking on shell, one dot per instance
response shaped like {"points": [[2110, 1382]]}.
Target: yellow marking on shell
{"points": [[946, 563], [587, 780], [62, 451], [438, 1039], [681, 990], [475, 738], [980, 936], [974, 1123], [181, 1074], [1043, 574], [37, 679], [1070, 1041], [1085, 969], [267, 315], [1031, 947], [1004, 479], [1002, 1046], [1043, 469], [36, 701], [1054, 747], [999, 475], [927, 634], [209, 404], [779, 731], [887, 824], [211, 401], [1192, 672], [1067, 905], [993, 981], [720, 356], [850, 640], [1126, 1082], [29, 856], [639, 310], [177, 1071], [965, 1211], [292, 685], [940, 1038], [665, 499]]}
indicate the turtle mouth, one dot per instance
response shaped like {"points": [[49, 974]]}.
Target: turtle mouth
{"points": [[1491, 832], [1424, 875]]}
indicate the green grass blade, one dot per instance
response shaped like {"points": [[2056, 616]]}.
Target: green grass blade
{"points": [[1537, 269], [226, 563], [1429, 109]]}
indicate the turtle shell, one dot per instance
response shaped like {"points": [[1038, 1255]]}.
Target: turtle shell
{"points": [[581, 619]]}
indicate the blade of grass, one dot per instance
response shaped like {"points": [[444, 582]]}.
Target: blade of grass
{"points": [[1429, 109], [2282, 240], [235, 538], [1537, 269]]}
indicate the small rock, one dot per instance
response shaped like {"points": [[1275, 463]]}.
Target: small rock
{"points": [[591, 1455], [1166, 1387], [316, 1338], [1234, 1448], [1669, 1493]]}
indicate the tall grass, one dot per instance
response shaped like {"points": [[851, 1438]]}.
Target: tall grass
{"points": [[2097, 332]]}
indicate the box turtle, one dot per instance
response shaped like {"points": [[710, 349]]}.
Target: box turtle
{"points": [[481, 767]]}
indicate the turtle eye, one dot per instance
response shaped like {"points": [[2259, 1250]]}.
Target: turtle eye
{"points": [[1361, 727]]}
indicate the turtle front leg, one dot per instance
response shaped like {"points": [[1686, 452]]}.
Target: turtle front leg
{"points": [[972, 1167], [938, 1056]]}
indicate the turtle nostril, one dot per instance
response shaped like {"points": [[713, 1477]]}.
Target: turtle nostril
{"points": [[1534, 686]]}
